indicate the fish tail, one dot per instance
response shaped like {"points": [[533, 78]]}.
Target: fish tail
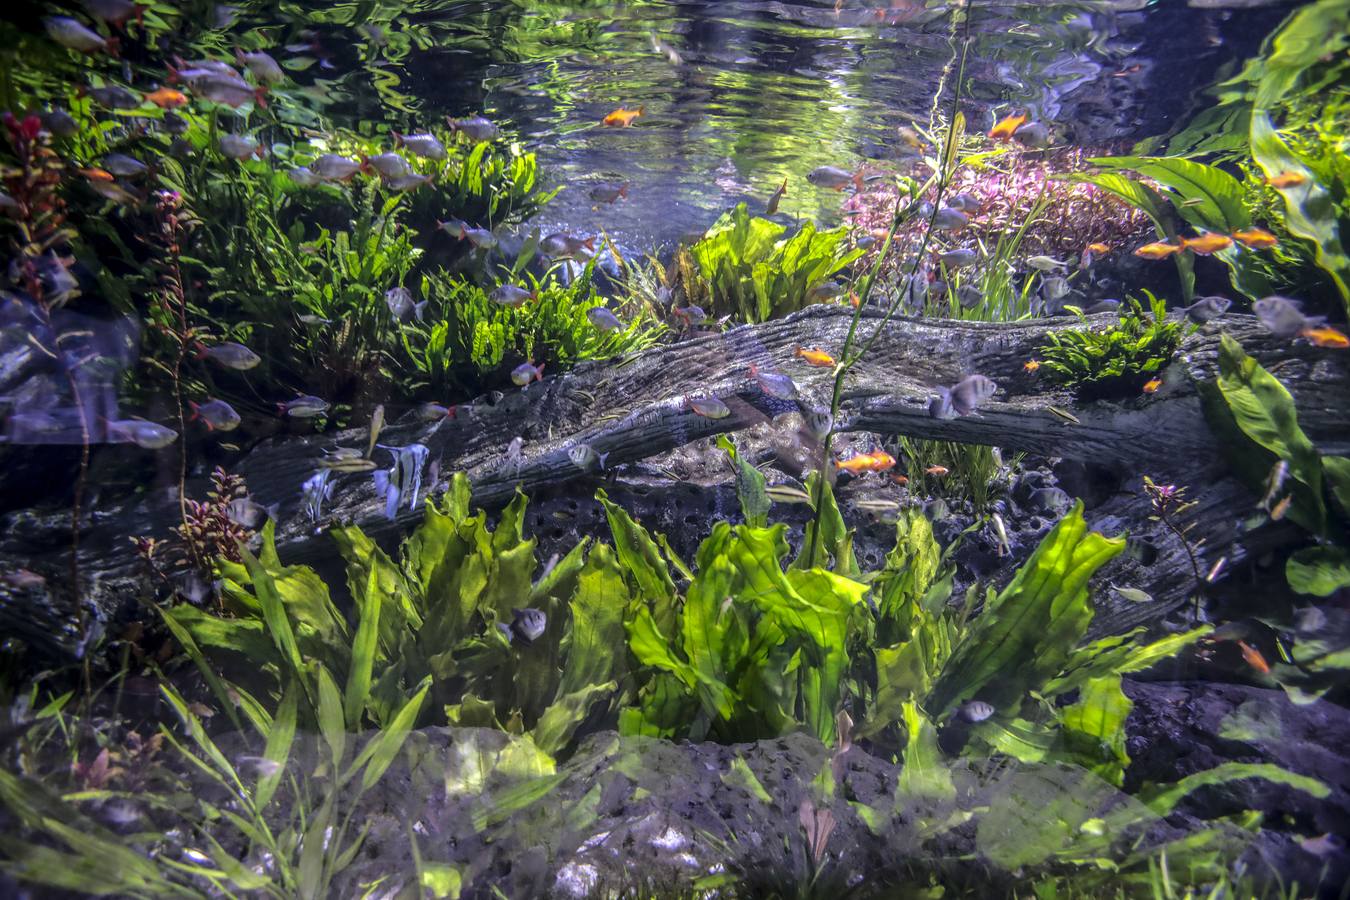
{"points": [[113, 45], [589, 243], [642, 109], [539, 369], [623, 191], [196, 412], [603, 457], [174, 68], [238, 56], [858, 180], [201, 350], [398, 138], [260, 95]]}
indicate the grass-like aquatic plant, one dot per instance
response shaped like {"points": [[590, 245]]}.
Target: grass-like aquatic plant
{"points": [[1116, 361]]}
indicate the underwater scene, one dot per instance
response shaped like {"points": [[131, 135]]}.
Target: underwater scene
{"points": [[713, 449]]}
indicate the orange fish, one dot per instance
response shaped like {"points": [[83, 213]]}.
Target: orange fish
{"points": [[1287, 180], [1152, 385], [1206, 244], [900, 480], [936, 470], [1031, 365], [1279, 509], [1157, 250], [1325, 337], [97, 174], [622, 118], [1004, 128], [818, 358], [1098, 248], [878, 461], [167, 98], [1254, 658], [854, 299], [1255, 238]]}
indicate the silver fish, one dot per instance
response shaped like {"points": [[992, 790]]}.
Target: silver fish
{"points": [[150, 435], [603, 319], [510, 295], [1033, 134], [969, 296], [331, 167], [306, 406], [528, 624], [314, 492], [247, 513], [390, 165], [262, 65], [958, 259], [404, 478], [410, 182], [481, 238], [1046, 263], [400, 302], [1284, 317], [775, 384], [115, 97], [834, 178], [227, 89], [526, 372], [424, 145], [477, 128], [434, 412], [563, 245], [1055, 287], [968, 393], [949, 219], [1134, 595], [124, 166], [231, 355], [71, 34], [240, 146], [1207, 308], [608, 192], [585, 458], [818, 421], [217, 414], [967, 203], [709, 407], [976, 711]]}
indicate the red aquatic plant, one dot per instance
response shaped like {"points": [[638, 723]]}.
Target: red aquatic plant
{"points": [[208, 531], [1008, 189]]}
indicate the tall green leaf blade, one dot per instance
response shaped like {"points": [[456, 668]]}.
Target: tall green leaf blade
{"points": [[641, 559], [277, 752], [750, 486], [1094, 728], [365, 647]]}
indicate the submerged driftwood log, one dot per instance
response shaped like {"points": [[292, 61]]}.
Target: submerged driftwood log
{"points": [[636, 408]]}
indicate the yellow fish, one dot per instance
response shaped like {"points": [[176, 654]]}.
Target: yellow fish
{"points": [[818, 358], [880, 461], [1325, 337], [1031, 365], [1157, 250], [1005, 127], [1151, 387], [1287, 180], [1206, 244], [622, 118], [1255, 238]]}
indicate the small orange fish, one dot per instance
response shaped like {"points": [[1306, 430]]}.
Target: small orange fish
{"points": [[818, 358], [167, 98], [900, 480], [1254, 658], [1206, 244], [1278, 511], [939, 471], [1152, 385], [1098, 248], [97, 174], [878, 461], [1157, 250], [1255, 238], [1005, 127], [1287, 180], [1325, 337], [854, 299], [622, 118], [1031, 366]]}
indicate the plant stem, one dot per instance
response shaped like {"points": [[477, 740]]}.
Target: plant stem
{"points": [[847, 362]]}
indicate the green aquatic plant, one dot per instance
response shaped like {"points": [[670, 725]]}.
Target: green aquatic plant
{"points": [[1115, 361], [465, 338], [749, 270], [443, 619]]}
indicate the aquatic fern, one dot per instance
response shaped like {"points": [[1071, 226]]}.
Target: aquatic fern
{"points": [[1118, 360]]}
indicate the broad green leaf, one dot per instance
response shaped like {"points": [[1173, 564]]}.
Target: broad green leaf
{"points": [[1264, 411], [278, 749], [1162, 799], [365, 647], [924, 777], [379, 752], [1319, 571], [826, 534], [1337, 472], [1094, 728], [1033, 625], [331, 724], [750, 486], [641, 559], [1205, 196]]}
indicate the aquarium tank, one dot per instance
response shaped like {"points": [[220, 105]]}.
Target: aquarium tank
{"points": [[711, 449]]}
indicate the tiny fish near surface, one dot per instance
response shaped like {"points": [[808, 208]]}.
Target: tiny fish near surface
{"points": [[622, 118], [476, 129], [834, 178]]}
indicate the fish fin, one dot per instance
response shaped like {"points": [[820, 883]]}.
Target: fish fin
{"points": [[857, 181], [604, 456], [539, 372], [260, 96], [274, 509], [398, 142], [196, 413]]}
